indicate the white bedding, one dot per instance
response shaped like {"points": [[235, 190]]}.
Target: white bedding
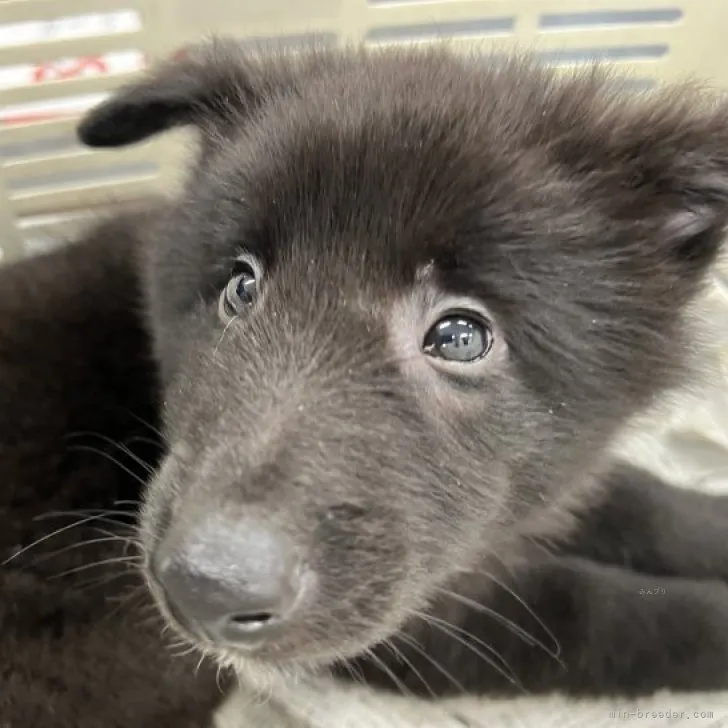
{"points": [[321, 706]]}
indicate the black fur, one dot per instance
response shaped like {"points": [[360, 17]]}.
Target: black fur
{"points": [[79, 644], [373, 187]]}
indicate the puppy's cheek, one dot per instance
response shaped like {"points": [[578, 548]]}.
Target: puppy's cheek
{"points": [[161, 495], [370, 587]]}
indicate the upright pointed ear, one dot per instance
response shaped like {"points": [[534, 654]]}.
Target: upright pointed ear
{"points": [[684, 166], [209, 83], [656, 163]]}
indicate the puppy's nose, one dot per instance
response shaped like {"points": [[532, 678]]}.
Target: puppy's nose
{"points": [[235, 582]]}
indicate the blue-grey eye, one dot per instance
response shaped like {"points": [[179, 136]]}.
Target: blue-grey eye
{"points": [[239, 293], [459, 338], [241, 289]]}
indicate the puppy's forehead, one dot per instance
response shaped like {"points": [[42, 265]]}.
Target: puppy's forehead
{"points": [[399, 176]]}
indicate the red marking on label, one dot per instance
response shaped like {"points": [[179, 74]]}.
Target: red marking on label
{"points": [[63, 71]]}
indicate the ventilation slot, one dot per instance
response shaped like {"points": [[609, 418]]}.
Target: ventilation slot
{"points": [[406, 3], [435, 31], [613, 53], [80, 177], [39, 147], [609, 18], [290, 42]]}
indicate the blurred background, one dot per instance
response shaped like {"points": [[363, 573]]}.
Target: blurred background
{"points": [[59, 57]]}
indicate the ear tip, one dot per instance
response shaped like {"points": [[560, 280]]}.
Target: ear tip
{"points": [[88, 135], [94, 130], [116, 124]]}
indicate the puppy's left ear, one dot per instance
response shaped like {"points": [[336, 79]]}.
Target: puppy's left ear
{"points": [[210, 84], [659, 165], [685, 166]]}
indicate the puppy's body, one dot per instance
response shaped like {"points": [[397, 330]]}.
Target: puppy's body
{"points": [[456, 522], [79, 644]]}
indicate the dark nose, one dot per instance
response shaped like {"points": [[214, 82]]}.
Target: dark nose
{"points": [[235, 582]]}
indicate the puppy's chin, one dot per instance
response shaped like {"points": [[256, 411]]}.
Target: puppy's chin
{"points": [[264, 677], [260, 673]]}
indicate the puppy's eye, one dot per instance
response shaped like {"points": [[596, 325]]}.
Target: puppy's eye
{"points": [[240, 291], [459, 338]]}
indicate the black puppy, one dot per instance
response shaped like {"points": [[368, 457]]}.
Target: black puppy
{"points": [[401, 310]]}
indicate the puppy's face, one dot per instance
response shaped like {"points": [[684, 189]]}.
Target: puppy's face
{"points": [[401, 308]]}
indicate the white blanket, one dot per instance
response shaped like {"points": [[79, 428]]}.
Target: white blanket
{"points": [[322, 705]]}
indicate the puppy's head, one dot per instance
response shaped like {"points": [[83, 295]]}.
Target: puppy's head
{"points": [[404, 303]]}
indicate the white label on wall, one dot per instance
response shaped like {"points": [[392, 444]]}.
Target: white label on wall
{"points": [[66, 28]]}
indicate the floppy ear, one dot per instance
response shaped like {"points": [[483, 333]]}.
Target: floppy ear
{"points": [[207, 85]]}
